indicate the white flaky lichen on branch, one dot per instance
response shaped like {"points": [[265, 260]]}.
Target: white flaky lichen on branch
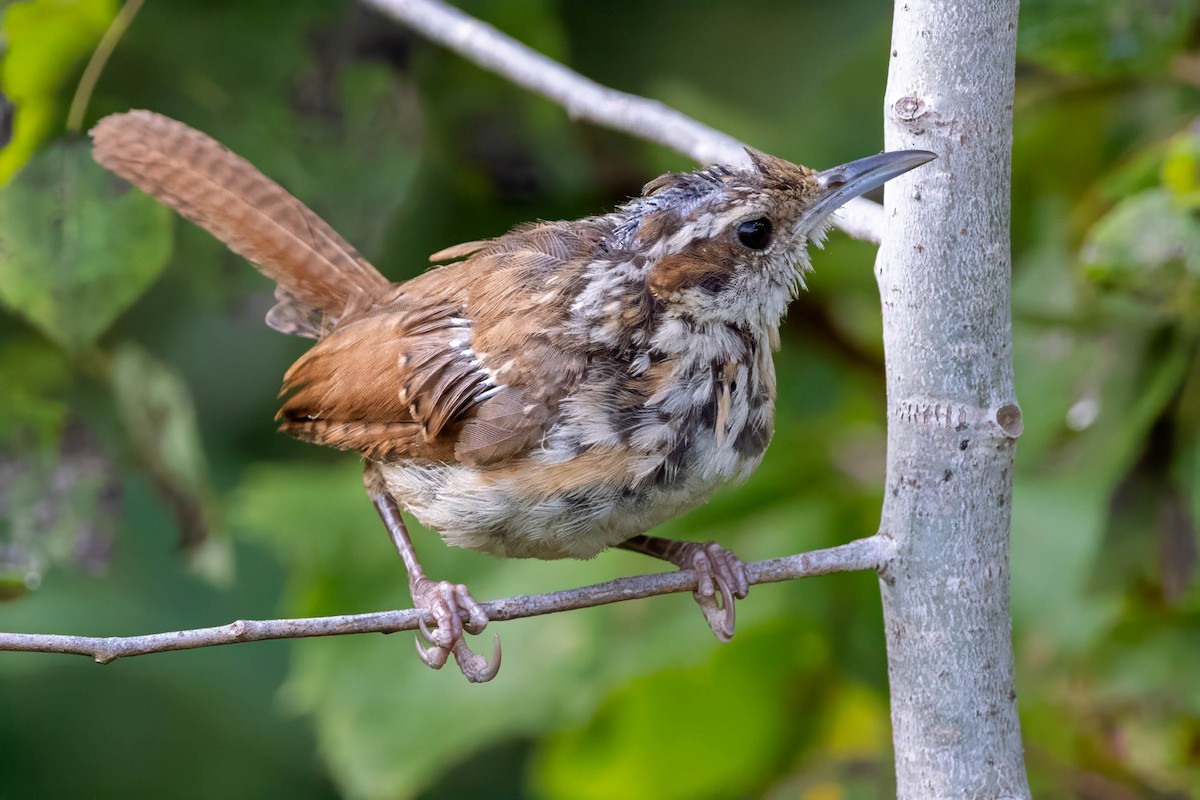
{"points": [[862, 554]]}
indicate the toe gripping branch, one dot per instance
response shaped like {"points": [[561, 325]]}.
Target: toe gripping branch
{"points": [[443, 604], [721, 579], [443, 601], [721, 576]]}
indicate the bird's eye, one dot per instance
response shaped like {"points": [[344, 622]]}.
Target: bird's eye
{"points": [[755, 233]]}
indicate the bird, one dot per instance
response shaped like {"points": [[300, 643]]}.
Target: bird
{"points": [[549, 393]]}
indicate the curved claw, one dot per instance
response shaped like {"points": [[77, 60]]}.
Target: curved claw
{"points": [[474, 667], [721, 618], [444, 603], [429, 635], [718, 569], [434, 657]]}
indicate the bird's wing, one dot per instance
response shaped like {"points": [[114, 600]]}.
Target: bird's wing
{"points": [[461, 364]]}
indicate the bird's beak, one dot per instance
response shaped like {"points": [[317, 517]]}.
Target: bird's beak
{"points": [[840, 184]]}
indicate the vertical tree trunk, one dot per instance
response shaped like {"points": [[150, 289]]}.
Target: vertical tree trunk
{"points": [[944, 278]]}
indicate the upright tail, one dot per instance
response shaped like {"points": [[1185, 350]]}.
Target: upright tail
{"points": [[320, 276]]}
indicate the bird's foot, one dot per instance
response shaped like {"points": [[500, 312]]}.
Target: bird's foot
{"points": [[445, 602], [721, 578]]}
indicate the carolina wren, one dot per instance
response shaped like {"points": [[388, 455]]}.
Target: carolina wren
{"points": [[550, 393]]}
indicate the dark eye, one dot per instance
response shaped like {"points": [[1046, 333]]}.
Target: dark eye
{"points": [[755, 233]]}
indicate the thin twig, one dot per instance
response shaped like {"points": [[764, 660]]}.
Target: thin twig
{"points": [[871, 553], [95, 66], [584, 99]]}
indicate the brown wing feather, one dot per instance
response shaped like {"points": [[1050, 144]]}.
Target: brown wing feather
{"points": [[355, 376], [392, 377], [501, 428], [454, 365], [223, 193]]}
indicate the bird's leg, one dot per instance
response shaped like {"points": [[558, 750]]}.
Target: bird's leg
{"points": [[721, 576], [443, 601]]}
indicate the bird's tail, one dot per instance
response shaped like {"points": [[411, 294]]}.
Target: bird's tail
{"points": [[320, 276]]}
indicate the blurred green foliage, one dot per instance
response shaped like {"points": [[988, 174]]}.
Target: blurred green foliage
{"points": [[79, 246], [138, 386], [46, 44]]}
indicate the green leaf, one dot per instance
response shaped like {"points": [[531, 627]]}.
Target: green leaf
{"points": [[59, 504], [41, 480], [1104, 37], [47, 42], [34, 373], [1148, 244], [155, 407], [1180, 171], [643, 742], [77, 245]]}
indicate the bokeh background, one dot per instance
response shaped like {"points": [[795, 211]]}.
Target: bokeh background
{"points": [[143, 488]]}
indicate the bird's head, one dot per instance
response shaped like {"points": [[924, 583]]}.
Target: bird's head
{"points": [[728, 245]]}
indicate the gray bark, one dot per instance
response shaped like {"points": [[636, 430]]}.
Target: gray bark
{"points": [[944, 279]]}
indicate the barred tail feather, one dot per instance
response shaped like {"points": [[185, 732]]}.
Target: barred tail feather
{"points": [[319, 274]]}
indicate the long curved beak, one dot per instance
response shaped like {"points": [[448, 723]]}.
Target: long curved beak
{"points": [[840, 184]]}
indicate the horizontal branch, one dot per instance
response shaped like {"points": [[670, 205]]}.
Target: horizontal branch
{"points": [[584, 99], [863, 554]]}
